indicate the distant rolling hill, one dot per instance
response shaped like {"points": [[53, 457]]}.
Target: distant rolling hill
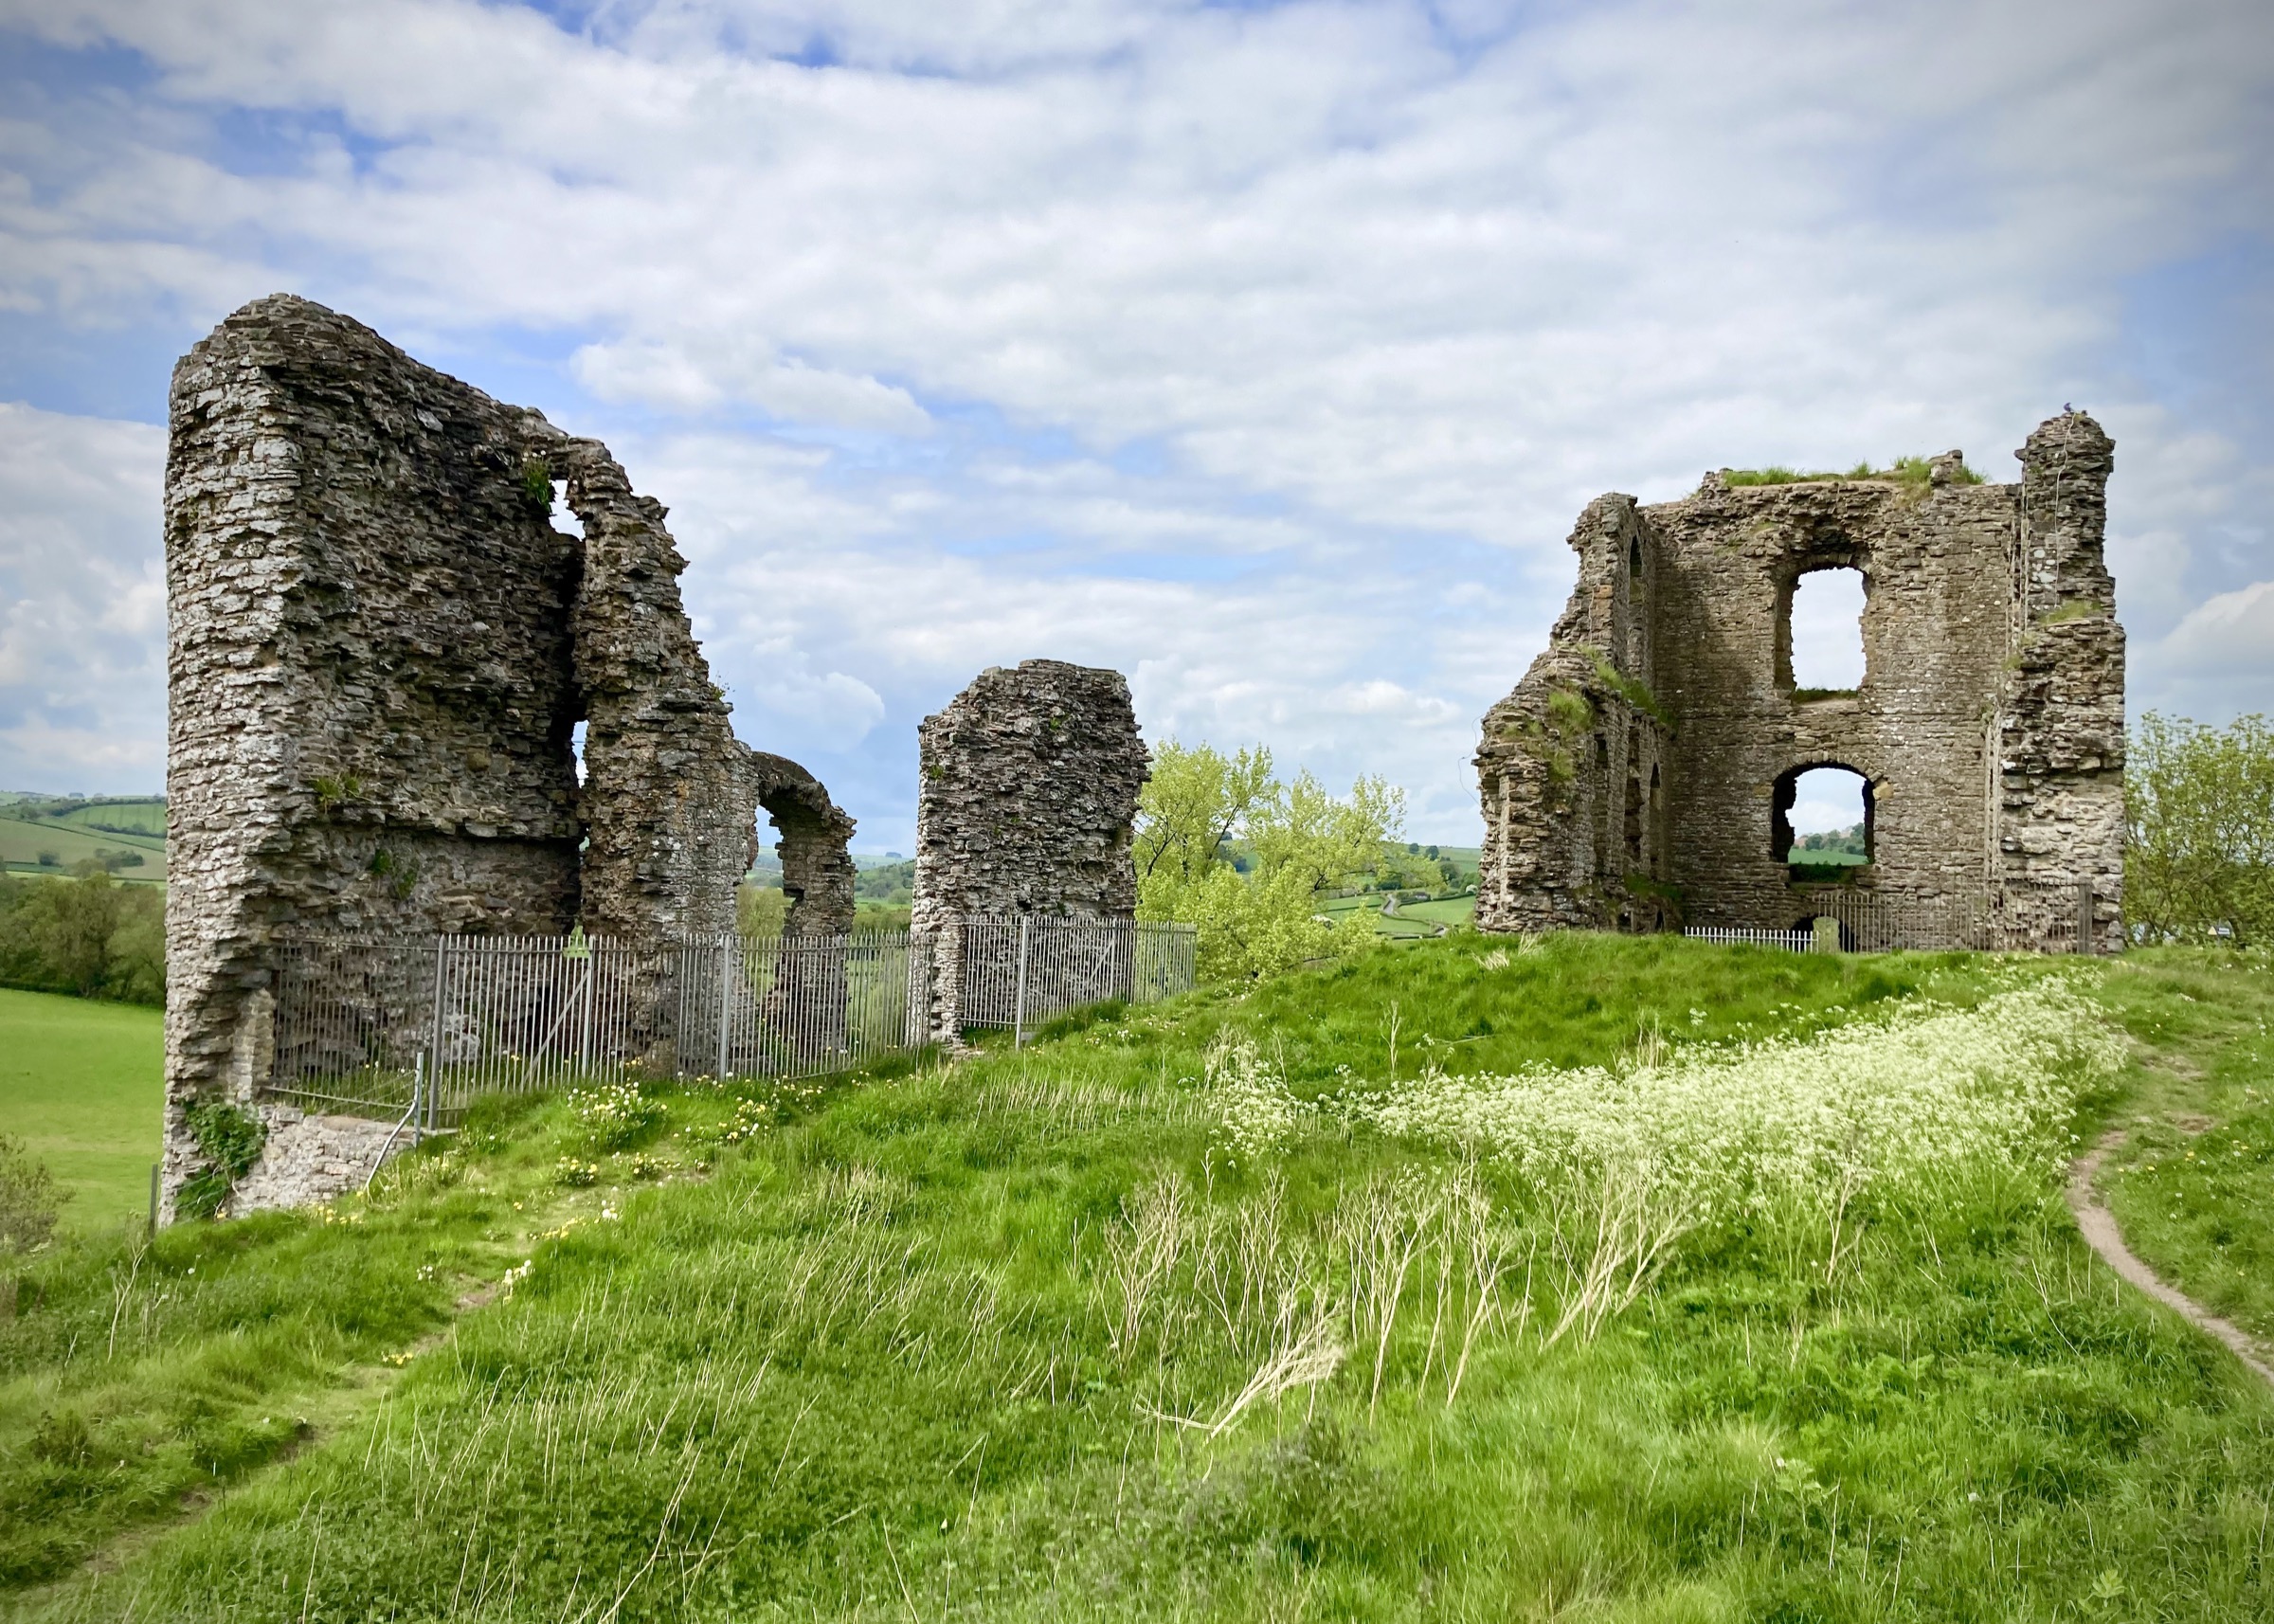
{"points": [[66, 831]]}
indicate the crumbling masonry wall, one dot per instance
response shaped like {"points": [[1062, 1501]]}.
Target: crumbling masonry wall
{"points": [[379, 649], [1639, 775], [1025, 804]]}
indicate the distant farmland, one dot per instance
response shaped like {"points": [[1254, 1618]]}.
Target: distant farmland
{"points": [[71, 832]]}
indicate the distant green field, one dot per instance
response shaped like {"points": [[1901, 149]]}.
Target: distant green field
{"points": [[23, 840], [81, 1083], [1412, 920], [140, 816]]}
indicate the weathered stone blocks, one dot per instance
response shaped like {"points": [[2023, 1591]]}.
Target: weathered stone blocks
{"points": [[1638, 776], [1025, 804], [380, 646]]}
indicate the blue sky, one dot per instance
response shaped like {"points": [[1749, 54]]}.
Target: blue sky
{"points": [[1265, 352]]}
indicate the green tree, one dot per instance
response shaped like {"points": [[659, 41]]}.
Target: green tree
{"points": [[2199, 830], [91, 936], [1296, 838]]}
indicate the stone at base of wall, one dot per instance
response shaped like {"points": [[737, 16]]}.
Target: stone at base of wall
{"points": [[311, 1158]]}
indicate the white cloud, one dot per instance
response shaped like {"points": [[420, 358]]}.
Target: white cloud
{"points": [[2232, 633], [82, 603], [1266, 354]]}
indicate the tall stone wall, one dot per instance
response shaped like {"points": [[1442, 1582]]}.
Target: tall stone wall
{"points": [[379, 649], [1025, 804], [1641, 773]]}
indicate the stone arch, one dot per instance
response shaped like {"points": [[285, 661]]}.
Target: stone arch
{"points": [[1785, 791], [817, 861]]}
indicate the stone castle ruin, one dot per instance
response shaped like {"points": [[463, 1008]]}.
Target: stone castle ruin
{"points": [[1641, 775], [381, 647], [1025, 804]]}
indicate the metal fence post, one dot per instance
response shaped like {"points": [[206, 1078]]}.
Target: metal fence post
{"points": [[585, 1040], [2084, 915], [1018, 999], [441, 949], [727, 945]]}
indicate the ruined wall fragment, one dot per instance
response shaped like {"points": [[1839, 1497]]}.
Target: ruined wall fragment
{"points": [[379, 648], [816, 847], [670, 796], [1572, 764], [1026, 801], [1988, 726]]}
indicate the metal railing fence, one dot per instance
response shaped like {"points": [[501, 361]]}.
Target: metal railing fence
{"points": [[1022, 971], [360, 1019], [2058, 917]]}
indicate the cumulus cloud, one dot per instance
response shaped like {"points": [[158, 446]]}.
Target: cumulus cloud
{"points": [[1265, 353], [82, 603], [2234, 631]]}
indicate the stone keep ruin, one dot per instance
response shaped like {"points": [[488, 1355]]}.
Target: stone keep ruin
{"points": [[380, 650], [1641, 775], [1025, 804]]}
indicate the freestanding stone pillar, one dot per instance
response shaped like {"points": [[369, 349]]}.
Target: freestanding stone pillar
{"points": [[1025, 806]]}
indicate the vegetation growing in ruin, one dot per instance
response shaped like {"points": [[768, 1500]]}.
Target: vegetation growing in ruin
{"points": [[1915, 472], [1633, 690], [2199, 830], [1262, 916], [1294, 1299]]}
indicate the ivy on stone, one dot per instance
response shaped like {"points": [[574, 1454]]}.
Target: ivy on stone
{"points": [[230, 1140]]}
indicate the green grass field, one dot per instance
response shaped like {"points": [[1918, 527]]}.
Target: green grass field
{"points": [[147, 817], [2192, 1182], [81, 1084], [1414, 921], [1110, 1328], [23, 840]]}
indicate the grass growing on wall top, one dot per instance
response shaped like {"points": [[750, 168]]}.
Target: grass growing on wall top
{"points": [[1147, 1321], [1910, 471]]}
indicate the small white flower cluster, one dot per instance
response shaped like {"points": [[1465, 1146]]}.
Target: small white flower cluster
{"points": [[1255, 1115], [613, 1114], [1921, 1093]]}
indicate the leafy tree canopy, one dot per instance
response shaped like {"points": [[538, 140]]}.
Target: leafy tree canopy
{"points": [[1298, 840]]}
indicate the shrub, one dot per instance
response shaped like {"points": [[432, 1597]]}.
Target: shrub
{"points": [[230, 1140], [2199, 830], [30, 1202]]}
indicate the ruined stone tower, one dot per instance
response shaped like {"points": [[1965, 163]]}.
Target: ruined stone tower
{"points": [[1639, 777], [380, 647], [1025, 804]]}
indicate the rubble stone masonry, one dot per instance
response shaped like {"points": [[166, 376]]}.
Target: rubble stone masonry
{"points": [[1640, 775], [1025, 804], [380, 646]]}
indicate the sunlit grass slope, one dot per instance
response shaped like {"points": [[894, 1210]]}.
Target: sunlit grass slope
{"points": [[81, 1083], [1175, 1315], [2192, 1182]]}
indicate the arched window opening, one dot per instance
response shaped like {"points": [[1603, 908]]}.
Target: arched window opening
{"points": [[1822, 821], [1823, 642], [1635, 553]]}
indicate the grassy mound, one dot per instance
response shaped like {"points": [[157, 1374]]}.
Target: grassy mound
{"points": [[1255, 1304]]}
